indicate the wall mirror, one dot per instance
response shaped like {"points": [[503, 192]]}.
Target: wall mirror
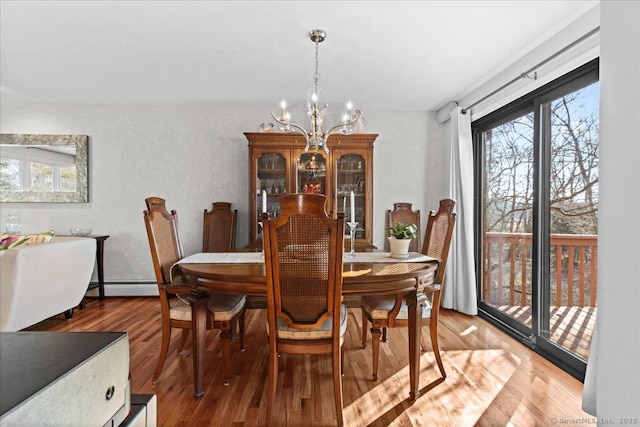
{"points": [[44, 168]]}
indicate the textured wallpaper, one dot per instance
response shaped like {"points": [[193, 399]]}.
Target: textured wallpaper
{"points": [[194, 156]]}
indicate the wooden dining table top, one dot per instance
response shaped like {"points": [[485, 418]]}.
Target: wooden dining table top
{"points": [[359, 277]]}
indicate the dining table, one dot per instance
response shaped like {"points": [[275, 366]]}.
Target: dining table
{"points": [[365, 273]]}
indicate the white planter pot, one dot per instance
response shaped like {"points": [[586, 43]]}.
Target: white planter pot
{"points": [[399, 247]]}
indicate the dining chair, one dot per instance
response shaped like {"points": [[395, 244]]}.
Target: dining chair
{"points": [[219, 228], [403, 213], [224, 310], [303, 256], [388, 311]]}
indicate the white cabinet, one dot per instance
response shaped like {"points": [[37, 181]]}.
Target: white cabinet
{"points": [[64, 378]]}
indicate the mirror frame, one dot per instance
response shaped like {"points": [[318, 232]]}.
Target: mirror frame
{"points": [[81, 195]]}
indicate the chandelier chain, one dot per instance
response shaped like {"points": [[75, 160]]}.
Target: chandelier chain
{"points": [[316, 75]]}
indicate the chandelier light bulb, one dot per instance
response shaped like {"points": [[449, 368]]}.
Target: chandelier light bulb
{"points": [[314, 94]]}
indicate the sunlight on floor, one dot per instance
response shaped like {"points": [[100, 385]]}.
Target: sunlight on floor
{"points": [[388, 401], [468, 331]]}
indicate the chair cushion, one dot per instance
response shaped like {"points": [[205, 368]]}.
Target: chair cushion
{"points": [[222, 306], [323, 332], [378, 307]]}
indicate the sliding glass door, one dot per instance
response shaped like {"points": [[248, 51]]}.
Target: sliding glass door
{"points": [[570, 135], [537, 188], [508, 183]]}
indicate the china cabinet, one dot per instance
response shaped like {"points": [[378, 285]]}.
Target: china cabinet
{"points": [[279, 165]]}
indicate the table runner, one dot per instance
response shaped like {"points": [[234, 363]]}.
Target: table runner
{"points": [[223, 258]]}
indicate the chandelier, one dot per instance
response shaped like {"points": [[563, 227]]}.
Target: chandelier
{"points": [[316, 138]]}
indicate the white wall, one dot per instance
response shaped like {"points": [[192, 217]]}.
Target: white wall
{"points": [[618, 320], [193, 157], [409, 165]]}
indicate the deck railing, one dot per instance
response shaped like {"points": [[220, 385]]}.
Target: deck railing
{"points": [[508, 269]]}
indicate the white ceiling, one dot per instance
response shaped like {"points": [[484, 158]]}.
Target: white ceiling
{"points": [[383, 55]]}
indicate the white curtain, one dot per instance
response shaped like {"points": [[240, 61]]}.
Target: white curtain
{"points": [[460, 290], [589, 398]]}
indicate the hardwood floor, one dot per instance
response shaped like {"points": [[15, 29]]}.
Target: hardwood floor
{"points": [[492, 380]]}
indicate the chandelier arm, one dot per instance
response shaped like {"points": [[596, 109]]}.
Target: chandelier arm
{"points": [[301, 130], [350, 122], [336, 128]]}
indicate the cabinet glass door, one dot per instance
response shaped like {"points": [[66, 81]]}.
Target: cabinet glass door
{"points": [[351, 176], [311, 173], [271, 183]]}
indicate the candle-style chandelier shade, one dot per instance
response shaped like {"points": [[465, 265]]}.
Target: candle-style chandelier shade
{"points": [[316, 138]]}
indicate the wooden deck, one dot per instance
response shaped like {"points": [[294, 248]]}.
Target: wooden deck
{"points": [[570, 327], [492, 380]]}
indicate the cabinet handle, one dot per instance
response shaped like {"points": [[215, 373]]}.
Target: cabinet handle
{"points": [[110, 392]]}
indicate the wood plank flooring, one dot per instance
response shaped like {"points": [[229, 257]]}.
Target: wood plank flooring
{"points": [[492, 379]]}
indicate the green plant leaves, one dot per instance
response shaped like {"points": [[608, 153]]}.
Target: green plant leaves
{"points": [[403, 231]]}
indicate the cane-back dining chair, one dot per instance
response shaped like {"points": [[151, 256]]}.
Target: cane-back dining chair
{"points": [[219, 228], [391, 311], [303, 256], [403, 214], [224, 310]]}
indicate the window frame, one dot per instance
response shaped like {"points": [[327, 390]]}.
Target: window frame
{"points": [[531, 102]]}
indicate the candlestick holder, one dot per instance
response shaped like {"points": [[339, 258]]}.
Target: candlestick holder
{"points": [[352, 232]]}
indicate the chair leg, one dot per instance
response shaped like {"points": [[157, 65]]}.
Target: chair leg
{"points": [[164, 349], [364, 330], [273, 378], [342, 359], [375, 345], [183, 340], [436, 349], [384, 335], [433, 331], [225, 342], [337, 384], [241, 327], [423, 341]]}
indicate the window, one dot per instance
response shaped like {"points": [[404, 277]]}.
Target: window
{"points": [[37, 170], [41, 177], [10, 174]]}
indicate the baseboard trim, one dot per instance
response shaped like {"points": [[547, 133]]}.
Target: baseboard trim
{"points": [[127, 290], [151, 290]]}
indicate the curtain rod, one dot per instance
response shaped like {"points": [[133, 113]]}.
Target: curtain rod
{"points": [[526, 75]]}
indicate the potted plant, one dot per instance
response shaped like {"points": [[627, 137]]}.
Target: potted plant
{"points": [[400, 236]]}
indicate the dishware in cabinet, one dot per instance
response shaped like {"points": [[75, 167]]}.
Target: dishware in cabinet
{"points": [[353, 191], [271, 175], [311, 172]]}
